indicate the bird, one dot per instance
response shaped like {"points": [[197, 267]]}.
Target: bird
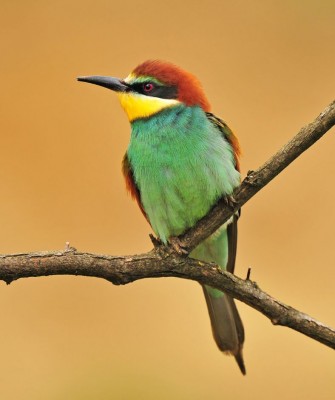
{"points": [[182, 159]]}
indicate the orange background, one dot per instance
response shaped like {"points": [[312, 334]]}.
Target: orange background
{"points": [[268, 69]]}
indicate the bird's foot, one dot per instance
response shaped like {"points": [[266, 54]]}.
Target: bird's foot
{"points": [[230, 201], [177, 245]]}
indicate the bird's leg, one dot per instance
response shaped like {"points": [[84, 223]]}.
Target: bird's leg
{"points": [[177, 245]]}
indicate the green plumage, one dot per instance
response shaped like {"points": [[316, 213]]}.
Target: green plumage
{"points": [[182, 165], [182, 162]]}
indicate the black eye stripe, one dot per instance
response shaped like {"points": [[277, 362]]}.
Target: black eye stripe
{"points": [[164, 92]]}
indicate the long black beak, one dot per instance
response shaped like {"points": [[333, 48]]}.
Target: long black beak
{"points": [[108, 82]]}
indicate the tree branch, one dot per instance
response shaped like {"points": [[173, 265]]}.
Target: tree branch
{"points": [[165, 262], [159, 263]]}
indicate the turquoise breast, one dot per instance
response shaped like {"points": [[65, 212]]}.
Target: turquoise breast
{"points": [[182, 165]]}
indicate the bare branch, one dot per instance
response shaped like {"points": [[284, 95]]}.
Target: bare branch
{"points": [[164, 262]]}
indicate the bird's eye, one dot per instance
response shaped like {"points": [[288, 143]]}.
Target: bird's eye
{"points": [[148, 87]]}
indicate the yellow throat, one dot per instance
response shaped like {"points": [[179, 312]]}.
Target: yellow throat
{"points": [[137, 105], [141, 106]]}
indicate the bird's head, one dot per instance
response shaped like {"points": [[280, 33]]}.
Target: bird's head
{"points": [[152, 87]]}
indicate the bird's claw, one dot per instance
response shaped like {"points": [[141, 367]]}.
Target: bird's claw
{"points": [[178, 246], [230, 201]]}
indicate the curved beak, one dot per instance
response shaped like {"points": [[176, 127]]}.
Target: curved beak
{"points": [[108, 82]]}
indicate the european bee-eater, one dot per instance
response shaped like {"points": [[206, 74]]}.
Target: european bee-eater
{"points": [[180, 161]]}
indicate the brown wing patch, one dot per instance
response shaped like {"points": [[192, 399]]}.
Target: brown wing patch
{"points": [[131, 185], [229, 135]]}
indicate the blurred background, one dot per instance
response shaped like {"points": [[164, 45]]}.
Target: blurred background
{"points": [[268, 69]]}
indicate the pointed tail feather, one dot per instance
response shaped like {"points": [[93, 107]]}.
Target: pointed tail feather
{"points": [[226, 324]]}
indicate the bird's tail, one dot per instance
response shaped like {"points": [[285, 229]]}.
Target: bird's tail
{"points": [[226, 324]]}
